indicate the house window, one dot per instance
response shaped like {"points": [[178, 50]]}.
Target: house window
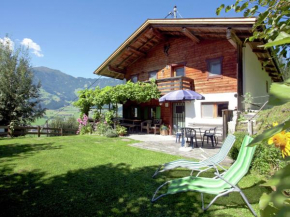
{"points": [[213, 109], [134, 112], [152, 113], [153, 75], [178, 71], [214, 67], [267, 87], [134, 78], [149, 112]]}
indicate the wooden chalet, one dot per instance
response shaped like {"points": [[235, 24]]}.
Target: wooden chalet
{"points": [[208, 55]]}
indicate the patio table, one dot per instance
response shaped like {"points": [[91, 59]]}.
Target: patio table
{"points": [[130, 123], [202, 129], [183, 134]]}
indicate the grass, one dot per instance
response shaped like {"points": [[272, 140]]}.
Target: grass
{"points": [[267, 117], [98, 176], [63, 112]]}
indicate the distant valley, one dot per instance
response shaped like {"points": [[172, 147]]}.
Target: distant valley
{"points": [[59, 89]]}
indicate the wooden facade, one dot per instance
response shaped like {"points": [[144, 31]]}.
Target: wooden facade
{"points": [[183, 52], [163, 46]]}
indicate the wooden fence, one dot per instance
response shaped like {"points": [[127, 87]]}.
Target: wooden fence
{"points": [[22, 131]]}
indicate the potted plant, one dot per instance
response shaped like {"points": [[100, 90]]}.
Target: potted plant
{"points": [[164, 130], [121, 130]]}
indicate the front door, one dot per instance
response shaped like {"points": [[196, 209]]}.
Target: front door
{"points": [[178, 115]]}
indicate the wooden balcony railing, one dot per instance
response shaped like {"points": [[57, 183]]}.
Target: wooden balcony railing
{"points": [[166, 85]]}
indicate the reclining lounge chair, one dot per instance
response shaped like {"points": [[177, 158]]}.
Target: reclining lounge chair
{"points": [[207, 163], [220, 186]]}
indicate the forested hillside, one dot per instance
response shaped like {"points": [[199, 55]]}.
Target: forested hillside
{"points": [[59, 89]]}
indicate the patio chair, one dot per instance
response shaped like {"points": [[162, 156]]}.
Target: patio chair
{"points": [[211, 133], [146, 125], [177, 132], [220, 186], [204, 165], [156, 125], [190, 133]]}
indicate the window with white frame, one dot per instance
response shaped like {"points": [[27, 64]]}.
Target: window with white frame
{"points": [[213, 109]]}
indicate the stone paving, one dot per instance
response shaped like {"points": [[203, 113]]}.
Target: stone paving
{"points": [[168, 145]]}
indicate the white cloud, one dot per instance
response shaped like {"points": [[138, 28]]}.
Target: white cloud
{"points": [[7, 42], [27, 42]]}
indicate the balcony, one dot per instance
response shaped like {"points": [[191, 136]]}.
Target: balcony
{"points": [[166, 85]]}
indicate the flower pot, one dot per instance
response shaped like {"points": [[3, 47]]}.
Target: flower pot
{"points": [[164, 132]]}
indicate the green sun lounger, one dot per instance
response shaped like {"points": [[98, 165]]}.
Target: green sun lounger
{"points": [[220, 186], [198, 166]]}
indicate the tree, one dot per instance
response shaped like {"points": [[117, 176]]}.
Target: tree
{"points": [[275, 23], [272, 22], [19, 97], [139, 92], [85, 101]]}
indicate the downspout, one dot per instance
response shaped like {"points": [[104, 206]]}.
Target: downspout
{"points": [[238, 45]]}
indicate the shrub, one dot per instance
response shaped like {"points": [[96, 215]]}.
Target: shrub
{"points": [[109, 115], [237, 145], [97, 115], [163, 127], [111, 133], [266, 159], [102, 127], [88, 129], [84, 126], [121, 130], [59, 122]]}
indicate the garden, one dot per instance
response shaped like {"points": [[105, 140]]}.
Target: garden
{"points": [[91, 175]]}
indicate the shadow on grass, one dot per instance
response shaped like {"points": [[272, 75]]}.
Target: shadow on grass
{"points": [[19, 149], [106, 190]]}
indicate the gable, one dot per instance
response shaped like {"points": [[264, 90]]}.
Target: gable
{"points": [[154, 32]]}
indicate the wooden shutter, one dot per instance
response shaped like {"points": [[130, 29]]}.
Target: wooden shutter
{"points": [[138, 112], [158, 112], [146, 113]]}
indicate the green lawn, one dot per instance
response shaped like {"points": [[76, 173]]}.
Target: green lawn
{"points": [[63, 112], [98, 176]]}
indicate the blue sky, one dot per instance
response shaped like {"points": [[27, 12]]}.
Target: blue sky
{"points": [[76, 36]]}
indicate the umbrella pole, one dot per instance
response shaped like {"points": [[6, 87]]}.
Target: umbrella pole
{"points": [[182, 140]]}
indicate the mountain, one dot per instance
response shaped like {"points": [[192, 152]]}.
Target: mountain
{"points": [[59, 89]]}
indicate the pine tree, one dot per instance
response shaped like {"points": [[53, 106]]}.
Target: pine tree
{"points": [[19, 97]]}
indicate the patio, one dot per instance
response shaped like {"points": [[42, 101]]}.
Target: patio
{"points": [[166, 144]]}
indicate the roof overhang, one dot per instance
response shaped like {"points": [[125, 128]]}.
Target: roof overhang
{"points": [[153, 31]]}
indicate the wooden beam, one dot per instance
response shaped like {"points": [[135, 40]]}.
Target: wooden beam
{"points": [[117, 70], [157, 34], [267, 67], [233, 38], [137, 52], [274, 76], [240, 80], [187, 33], [259, 51], [206, 27], [272, 72], [148, 41], [264, 59]]}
